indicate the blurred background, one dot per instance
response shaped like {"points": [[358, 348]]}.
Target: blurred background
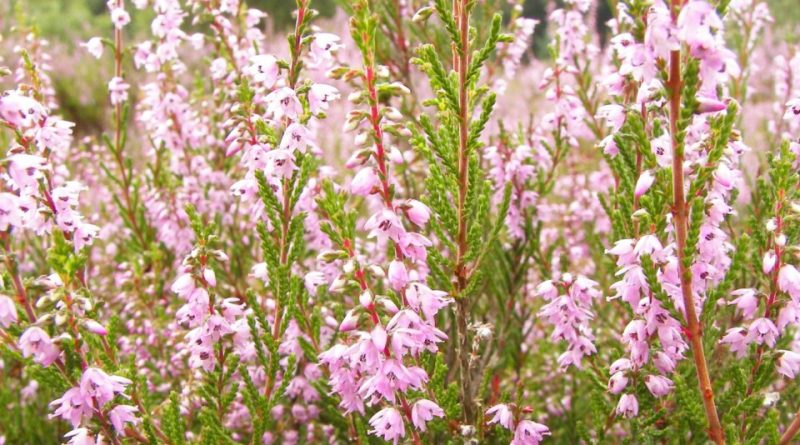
{"points": [[70, 19], [67, 23]]}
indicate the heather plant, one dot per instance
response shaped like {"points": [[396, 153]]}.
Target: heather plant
{"points": [[398, 224]]}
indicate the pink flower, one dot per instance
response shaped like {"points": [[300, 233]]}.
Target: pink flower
{"points": [[263, 70], [384, 224], [280, 163], [82, 436], [617, 383], [664, 363], [769, 262], [73, 406], [658, 385], [120, 17], [295, 137], [793, 111], [737, 339], [393, 376], [417, 212], [643, 183], [118, 90], [529, 432], [283, 102], [122, 414], [422, 298], [696, 22], [789, 281], [10, 214], [98, 386], [628, 406], [502, 415], [388, 423], [789, 314], [95, 327], [789, 364], [762, 331], [364, 182], [20, 110], [423, 411], [8, 311], [25, 170], [320, 96], [350, 321], [709, 104], [398, 275], [747, 302], [35, 342], [322, 47], [94, 46]]}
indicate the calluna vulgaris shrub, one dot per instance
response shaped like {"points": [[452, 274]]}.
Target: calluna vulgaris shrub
{"points": [[397, 225]]}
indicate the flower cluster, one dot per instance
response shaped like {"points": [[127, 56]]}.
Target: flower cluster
{"points": [[401, 223]]}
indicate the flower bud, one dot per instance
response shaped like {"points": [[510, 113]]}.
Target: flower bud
{"points": [[365, 299], [95, 327], [643, 184], [398, 275]]}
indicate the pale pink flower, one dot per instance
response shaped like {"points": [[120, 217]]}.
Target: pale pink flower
{"points": [[643, 183], [320, 97], [658, 385], [94, 46], [769, 262], [398, 275], [82, 436], [95, 327], [789, 281], [98, 386], [417, 212], [793, 111], [502, 415], [122, 414], [789, 364], [283, 102], [263, 70], [73, 406], [364, 182], [388, 424], [763, 331], [8, 311], [628, 406], [120, 17], [617, 383], [529, 432], [322, 48], [35, 342], [118, 90], [423, 412], [746, 301]]}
